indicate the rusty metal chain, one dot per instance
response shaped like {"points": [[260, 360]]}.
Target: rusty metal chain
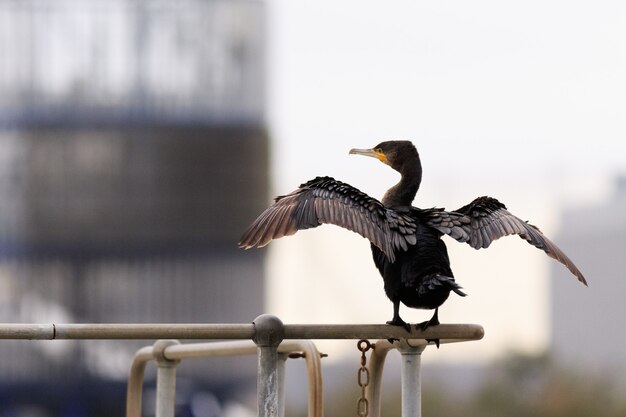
{"points": [[363, 378]]}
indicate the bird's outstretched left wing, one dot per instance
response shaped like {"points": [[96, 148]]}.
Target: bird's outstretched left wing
{"points": [[325, 200], [486, 219]]}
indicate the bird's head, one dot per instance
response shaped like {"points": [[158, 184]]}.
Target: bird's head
{"points": [[398, 154]]}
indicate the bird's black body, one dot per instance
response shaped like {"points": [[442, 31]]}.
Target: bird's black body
{"points": [[406, 241], [421, 276]]}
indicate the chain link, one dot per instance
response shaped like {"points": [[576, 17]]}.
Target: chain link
{"points": [[363, 378]]}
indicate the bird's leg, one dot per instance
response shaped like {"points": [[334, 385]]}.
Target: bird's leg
{"points": [[396, 320], [434, 320]]}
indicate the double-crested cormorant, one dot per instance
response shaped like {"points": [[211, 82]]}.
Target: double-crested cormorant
{"points": [[406, 241]]}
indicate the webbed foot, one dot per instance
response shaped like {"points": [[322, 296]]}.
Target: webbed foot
{"points": [[434, 321], [397, 321]]}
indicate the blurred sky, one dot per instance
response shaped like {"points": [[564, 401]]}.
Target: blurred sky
{"points": [[523, 101]]}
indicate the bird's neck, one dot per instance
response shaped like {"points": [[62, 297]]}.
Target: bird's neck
{"points": [[403, 193]]}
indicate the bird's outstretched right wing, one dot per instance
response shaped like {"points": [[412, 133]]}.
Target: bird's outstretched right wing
{"points": [[325, 200]]}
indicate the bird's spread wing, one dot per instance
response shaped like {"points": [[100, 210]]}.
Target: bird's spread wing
{"points": [[486, 219], [325, 200]]}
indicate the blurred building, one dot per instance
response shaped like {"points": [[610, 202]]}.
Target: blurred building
{"points": [[133, 153], [588, 323]]}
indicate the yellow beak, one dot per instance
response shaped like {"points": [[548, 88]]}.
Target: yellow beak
{"points": [[374, 153]]}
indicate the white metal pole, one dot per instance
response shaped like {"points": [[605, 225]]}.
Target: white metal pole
{"points": [[411, 378], [166, 390], [166, 379]]}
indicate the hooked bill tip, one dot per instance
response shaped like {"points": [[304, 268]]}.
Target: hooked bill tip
{"points": [[364, 152]]}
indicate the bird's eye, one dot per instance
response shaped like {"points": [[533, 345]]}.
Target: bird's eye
{"points": [[378, 150]]}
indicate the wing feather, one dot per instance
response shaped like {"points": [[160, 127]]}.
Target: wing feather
{"points": [[486, 219], [325, 200]]}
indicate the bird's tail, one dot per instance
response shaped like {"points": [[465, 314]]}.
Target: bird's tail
{"points": [[455, 287], [437, 280]]}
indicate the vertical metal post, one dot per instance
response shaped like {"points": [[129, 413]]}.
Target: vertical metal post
{"points": [[282, 359], [166, 379], [376, 365], [135, 381], [268, 333], [411, 356]]}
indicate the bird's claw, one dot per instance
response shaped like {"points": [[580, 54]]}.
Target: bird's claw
{"points": [[435, 341], [426, 324], [434, 321], [423, 325], [397, 321]]}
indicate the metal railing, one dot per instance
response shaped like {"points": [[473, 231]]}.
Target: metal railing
{"points": [[271, 340], [168, 353]]}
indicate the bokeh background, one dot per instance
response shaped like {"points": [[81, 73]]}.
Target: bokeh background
{"points": [[139, 138]]}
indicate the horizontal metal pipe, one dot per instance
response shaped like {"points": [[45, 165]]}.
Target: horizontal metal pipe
{"points": [[458, 332], [211, 349], [382, 331], [234, 348], [27, 331], [126, 331]]}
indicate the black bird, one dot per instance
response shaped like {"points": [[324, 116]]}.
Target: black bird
{"points": [[406, 241]]}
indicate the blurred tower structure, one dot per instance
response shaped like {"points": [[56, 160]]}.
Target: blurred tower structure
{"points": [[587, 323], [133, 152]]}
